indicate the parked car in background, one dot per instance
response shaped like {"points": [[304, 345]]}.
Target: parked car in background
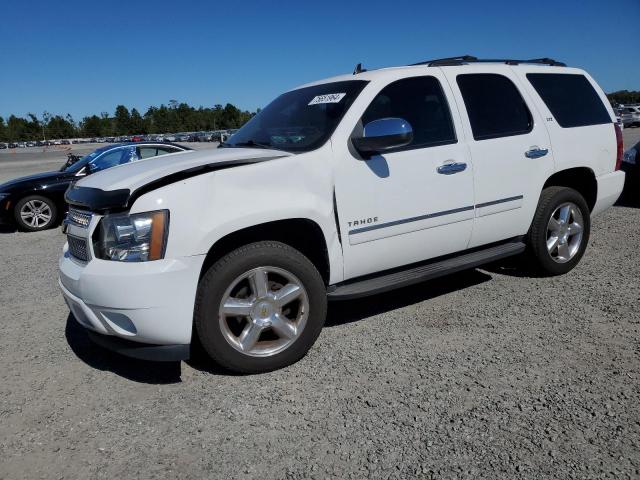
{"points": [[3, 146], [37, 202], [616, 112], [630, 116], [369, 182]]}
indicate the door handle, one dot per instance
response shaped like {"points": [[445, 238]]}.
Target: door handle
{"points": [[536, 152], [451, 168]]}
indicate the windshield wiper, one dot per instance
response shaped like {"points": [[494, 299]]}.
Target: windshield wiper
{"points": [[249, 143]]}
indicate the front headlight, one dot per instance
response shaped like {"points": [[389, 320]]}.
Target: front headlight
{"points": [[139, 237], [630, 156]]}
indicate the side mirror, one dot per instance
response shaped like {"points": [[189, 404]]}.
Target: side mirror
{"points": [[382, 135]]}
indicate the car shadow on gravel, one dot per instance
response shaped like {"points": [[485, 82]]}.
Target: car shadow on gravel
{"points": [[347, 311], [629, 198], [140, 371]]}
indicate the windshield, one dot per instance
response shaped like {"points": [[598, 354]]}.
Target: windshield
{"points": [[301, 120], [76, 167]]}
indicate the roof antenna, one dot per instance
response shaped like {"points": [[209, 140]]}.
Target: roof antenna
{"points": [[359, 69]]}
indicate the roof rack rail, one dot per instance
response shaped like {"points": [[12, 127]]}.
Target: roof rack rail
{"points": [[448, 61], [464, 59]]}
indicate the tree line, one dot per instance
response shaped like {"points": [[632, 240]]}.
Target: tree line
{"points": [[623, 97], [171, 118]]}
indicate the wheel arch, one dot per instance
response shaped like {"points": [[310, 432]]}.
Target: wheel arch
{"points": [[581, 179], [303, 234]]}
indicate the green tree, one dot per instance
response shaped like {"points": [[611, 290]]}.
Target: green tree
{"points": [[137, 123], [171, 118], [624, 97], [60, 127], [91, 126], [122, 120]]}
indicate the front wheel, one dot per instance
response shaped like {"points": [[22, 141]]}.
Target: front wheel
{"points": [[560, 230], [35, 213], [260, 307]]}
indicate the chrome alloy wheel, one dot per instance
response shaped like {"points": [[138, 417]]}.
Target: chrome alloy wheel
{"points": [[564, 232], [36, 213], [263, 311]]}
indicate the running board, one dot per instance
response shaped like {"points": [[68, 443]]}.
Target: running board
{"points": [[397, 279]]}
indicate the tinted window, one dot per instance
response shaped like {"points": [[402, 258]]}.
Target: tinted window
{"points": [[421, 102], [113, 158], [494, 105], [163, 150], [570, 98], [108, 160], [146, 152]]}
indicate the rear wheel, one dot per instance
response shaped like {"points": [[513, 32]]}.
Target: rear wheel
{"points": [[35, 213], [560, 230], [259, 308]]}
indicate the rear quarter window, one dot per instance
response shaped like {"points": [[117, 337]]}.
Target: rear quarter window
{"points": [[571, 99]]}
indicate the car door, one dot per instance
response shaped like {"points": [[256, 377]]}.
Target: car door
{"points": [[411, 203], [510, 148]]}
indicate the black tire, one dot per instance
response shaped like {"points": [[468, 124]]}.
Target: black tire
{"points": [[40, 200], [550, 199], [220, 276]]}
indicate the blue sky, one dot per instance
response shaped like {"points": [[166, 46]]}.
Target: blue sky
{"points": [[87, 57]]}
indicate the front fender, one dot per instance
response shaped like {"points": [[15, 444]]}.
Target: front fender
{"points": [[208, 207]]}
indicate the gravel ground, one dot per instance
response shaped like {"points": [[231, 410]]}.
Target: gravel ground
{"points": [[486, 374]]}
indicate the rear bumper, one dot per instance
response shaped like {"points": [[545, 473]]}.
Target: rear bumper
{"points": [[610, 188]]}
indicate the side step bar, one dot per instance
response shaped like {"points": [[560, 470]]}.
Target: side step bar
{"points": [[414, 274]]}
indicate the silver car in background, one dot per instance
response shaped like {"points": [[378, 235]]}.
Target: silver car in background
{"points": [[630, 115]]}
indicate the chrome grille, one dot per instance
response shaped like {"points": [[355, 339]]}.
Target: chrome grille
{"points": [[77, 217], [78, 248]]}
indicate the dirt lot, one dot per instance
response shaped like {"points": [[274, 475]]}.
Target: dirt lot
{"points": [[487, 374]]}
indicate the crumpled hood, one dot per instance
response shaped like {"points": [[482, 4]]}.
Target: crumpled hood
{"points": [[136, 175], [49, 176]]}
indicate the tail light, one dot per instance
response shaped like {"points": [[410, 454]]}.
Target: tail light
{"points": [[620, 150]]}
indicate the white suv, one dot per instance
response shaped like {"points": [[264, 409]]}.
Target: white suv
{"points": [[338, 189]]}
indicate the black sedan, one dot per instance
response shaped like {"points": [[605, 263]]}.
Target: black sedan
{"points": [[36, 202]]}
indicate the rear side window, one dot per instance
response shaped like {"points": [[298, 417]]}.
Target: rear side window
{"points": [[163, 150], [146, 152], [571, 99], [494, 105], [421, 102]]}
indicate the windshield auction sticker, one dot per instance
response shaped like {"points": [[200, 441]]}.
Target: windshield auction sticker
{"points": [[327, 98]]}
